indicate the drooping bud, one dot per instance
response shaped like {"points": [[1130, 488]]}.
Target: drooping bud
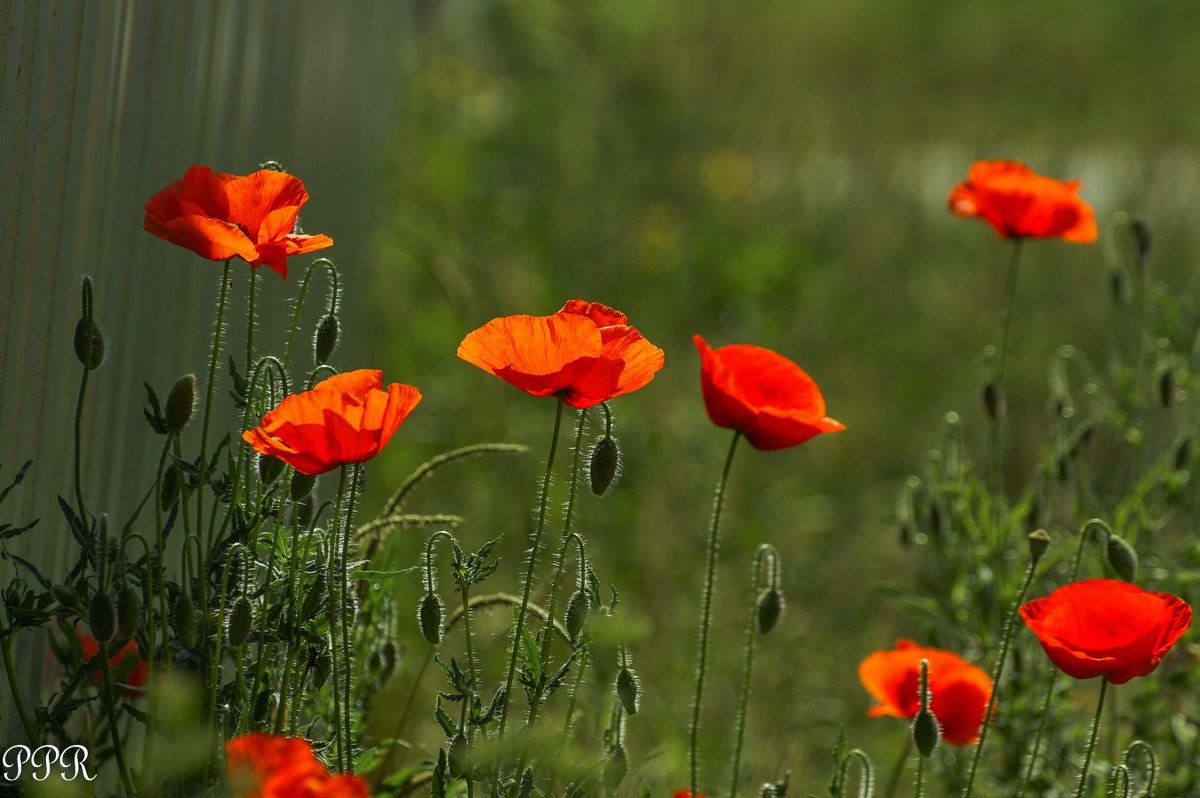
{"points": [[322, 668], [325, 339], [302, 511], [185, 621], [430, 614], [577, 613], [129, 610], [770, 607], [264, 705], [1118, 286], [241, 618], [993, 400], [1183, 454], [1166, 387], [456, 757], [302, 485], [1141, 237], [269, 469], [615, 768], [102, 617], [604, 464], [171, 484], [629, 691], [1039, 541], [1121, 557], [181, 403]]}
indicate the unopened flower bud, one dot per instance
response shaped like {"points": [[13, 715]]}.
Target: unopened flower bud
{"points": [[269, 469], [66, 597], [241, 618], [925, 732], [1141, 237], [1121, 557], [577, 613], [430, 614], [615, 768], [102, 617], [325, 338], [302, 485], [456, 757], [604, 463], [185, 621], [770, 607], [1039, 541], [181, 403], [629, 691], [90, 344], [264, 705], [314, 599], [322, 668], [1166, 387], [129, 610], [302, 511], [1183, 454], [993, 400], [171, 484], [1117, 286]]}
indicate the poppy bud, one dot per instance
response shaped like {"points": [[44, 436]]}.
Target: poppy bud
{"points": [[456, 757], [1141, 237], [181, 403], [264, 705], [1121, 557], [185, 621], [269, 469], [770, 607], [1166, 387], [129, 609], [314, 599], [322, 668], [325, 338], [993, 400], [430, 614], [604, 464], [925, 732], [171, 484], [1039, 541], [241, 618], [615, 768], [387, 660], [302, 485], [577, 613], [1117, 286], [629, 691], [102, 617], [302, 511], [1183, 455]]}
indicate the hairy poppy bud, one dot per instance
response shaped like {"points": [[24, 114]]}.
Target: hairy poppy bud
{"points": [[430, 614], [925, 732], [993, 400], [604, 464], [1141, 237], [1183, 454], [129, 610], [314, 599], [241, 618], [629, 691], [302, 485], [325, 338], [181, 403], [770, 607], [171, 484], [264, 705], [185, 621], [269, 469], [615, 768], [322, 668], [302, 511], [102, 617], [1121, 557], [456, 757], [1039, 541], [1166, 387], [89, 348], [577, 613]]}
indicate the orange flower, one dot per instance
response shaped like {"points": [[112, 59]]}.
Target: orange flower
{"points": [[586, 353], [129, 670], [960, 690], [266, 766], [1104, 627], [770, 399], [344, 419], [1019, 203], [685, 794], [220, 216]]}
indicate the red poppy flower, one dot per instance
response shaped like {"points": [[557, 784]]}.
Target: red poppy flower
{"points": [[586, 353], [1105, 627], [960, 690], [128, 670], [685, 794], [1018, 203], [770, 399], [266, 766], [220, 216], [344, 419]]}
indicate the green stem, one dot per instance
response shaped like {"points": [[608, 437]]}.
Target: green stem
{"points": [[210, 390], [334, 612], [747, 671], [333, 299], [155, 578], [118, 748], [996, 436], [898, 767], [920, 776], [706, 615], [347, 524], [83, 383], [535, 548], [997, 672], [19, 700], [1087, 757]]}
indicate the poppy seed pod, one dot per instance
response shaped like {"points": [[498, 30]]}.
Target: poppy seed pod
{"points": [[269, 469], [1121, 557], [241, 618], [325, 338], [604, 465], [993, 400], [615, 768], [129, 609], [430, 615], [925, 732], [770, 607], [90, 344], [577, 613], [302, 485], [102, 617], [1039, 541], [185, 621], [181, 403], [629, 690]]}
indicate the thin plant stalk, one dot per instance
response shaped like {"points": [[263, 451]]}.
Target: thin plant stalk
{"points": [[765, 552], [535, 547], [347, 524], [706, 615], [997, 430], [334, 613], [110, 709], [1091, 746], [10, 672]]}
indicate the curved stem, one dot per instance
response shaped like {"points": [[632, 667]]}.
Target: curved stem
{"points": [[333, 297], [1087, 757], [706, 614], [535, 547]]}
